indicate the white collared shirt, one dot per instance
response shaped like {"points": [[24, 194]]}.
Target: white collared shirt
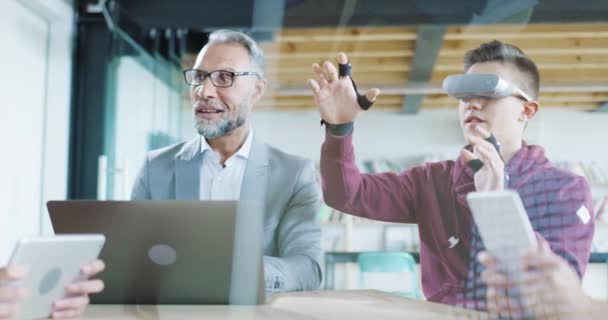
{"points": [[223, 183]]}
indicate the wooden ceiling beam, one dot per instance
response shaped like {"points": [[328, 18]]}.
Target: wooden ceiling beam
{"points": [[572, 58], [333, 48], [548, 51], [528, 44], [549, 31], [556, 76], [545, 98], [523, 28], [408, 36], [366, 80], [329, 55], [290, 62], [543, 67], [571, 105], [346, 34], [539, 59], [404, 88], [358, 68]]}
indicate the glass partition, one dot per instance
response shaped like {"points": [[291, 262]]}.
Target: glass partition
{"points": [[145, 108]]}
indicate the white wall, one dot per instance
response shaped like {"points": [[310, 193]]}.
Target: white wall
{"points": [[574, 135], [34, 128], [377, 134], [57, 117], [565, 134]]}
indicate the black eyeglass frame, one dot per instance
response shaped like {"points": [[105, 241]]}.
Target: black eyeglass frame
{"points": [[210, 76]]}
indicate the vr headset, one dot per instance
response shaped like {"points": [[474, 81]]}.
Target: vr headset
{"points": [[487, 86]]}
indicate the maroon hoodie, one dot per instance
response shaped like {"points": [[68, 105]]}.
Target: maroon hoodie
{"points": [[433, 196]]}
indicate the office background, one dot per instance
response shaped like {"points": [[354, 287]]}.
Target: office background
{"points": [[89, 86]]}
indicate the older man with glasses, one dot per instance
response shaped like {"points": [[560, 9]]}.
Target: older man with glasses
{"points": [[225, 161]]}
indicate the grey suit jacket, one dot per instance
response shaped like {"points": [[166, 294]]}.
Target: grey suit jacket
{"points": [[286, 183]]}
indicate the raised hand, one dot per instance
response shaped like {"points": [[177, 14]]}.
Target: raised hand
{"points": [[335, 96]]}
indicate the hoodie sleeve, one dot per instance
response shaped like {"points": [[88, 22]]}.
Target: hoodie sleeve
{"points": [[385, 196]]}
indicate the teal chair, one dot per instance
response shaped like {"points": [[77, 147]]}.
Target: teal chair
{"points": [[389, 262]]}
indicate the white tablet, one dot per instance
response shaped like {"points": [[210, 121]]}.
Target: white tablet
{"points": [[53, 263], [503, 225]]}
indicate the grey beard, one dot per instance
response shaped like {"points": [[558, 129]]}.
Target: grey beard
{"points": [[221, 129]]}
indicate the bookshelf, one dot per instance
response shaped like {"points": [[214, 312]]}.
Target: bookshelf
{"points": [[595, 172], [352, 233]]}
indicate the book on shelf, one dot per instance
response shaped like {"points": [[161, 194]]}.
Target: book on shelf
{"points": [[329, 215], [595, 172], [601, 209], [399, 165]]}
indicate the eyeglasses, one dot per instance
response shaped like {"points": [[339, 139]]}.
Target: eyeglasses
{"points": [[219, 78]]}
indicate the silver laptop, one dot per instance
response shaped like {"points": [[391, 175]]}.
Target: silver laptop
{"points": [[172, 252]]}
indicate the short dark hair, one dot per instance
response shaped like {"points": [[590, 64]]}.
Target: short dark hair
{"points": [[508, 54]]}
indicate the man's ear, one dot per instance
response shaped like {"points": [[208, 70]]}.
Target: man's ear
{"points": [[258, 90], [530, 110]]}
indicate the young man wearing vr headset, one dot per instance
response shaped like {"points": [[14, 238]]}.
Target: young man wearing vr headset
{"points": [[497, 97]]}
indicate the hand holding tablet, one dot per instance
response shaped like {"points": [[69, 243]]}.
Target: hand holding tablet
{"points": [[54, 267]]}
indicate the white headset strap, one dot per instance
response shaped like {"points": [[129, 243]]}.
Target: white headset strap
{"points": [[522, 93]]}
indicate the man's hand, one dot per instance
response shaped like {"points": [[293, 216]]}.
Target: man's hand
{"points": [[336, 97], [553, 284], [491, 177], [498, 283], [78, 292], [11, 291], [550, 288]]}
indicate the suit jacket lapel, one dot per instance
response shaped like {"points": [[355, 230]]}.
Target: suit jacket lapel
{"points": [[187, 170], [255, 178]]}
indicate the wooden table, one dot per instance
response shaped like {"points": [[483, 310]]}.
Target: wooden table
{"points": [[351, 305]]}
